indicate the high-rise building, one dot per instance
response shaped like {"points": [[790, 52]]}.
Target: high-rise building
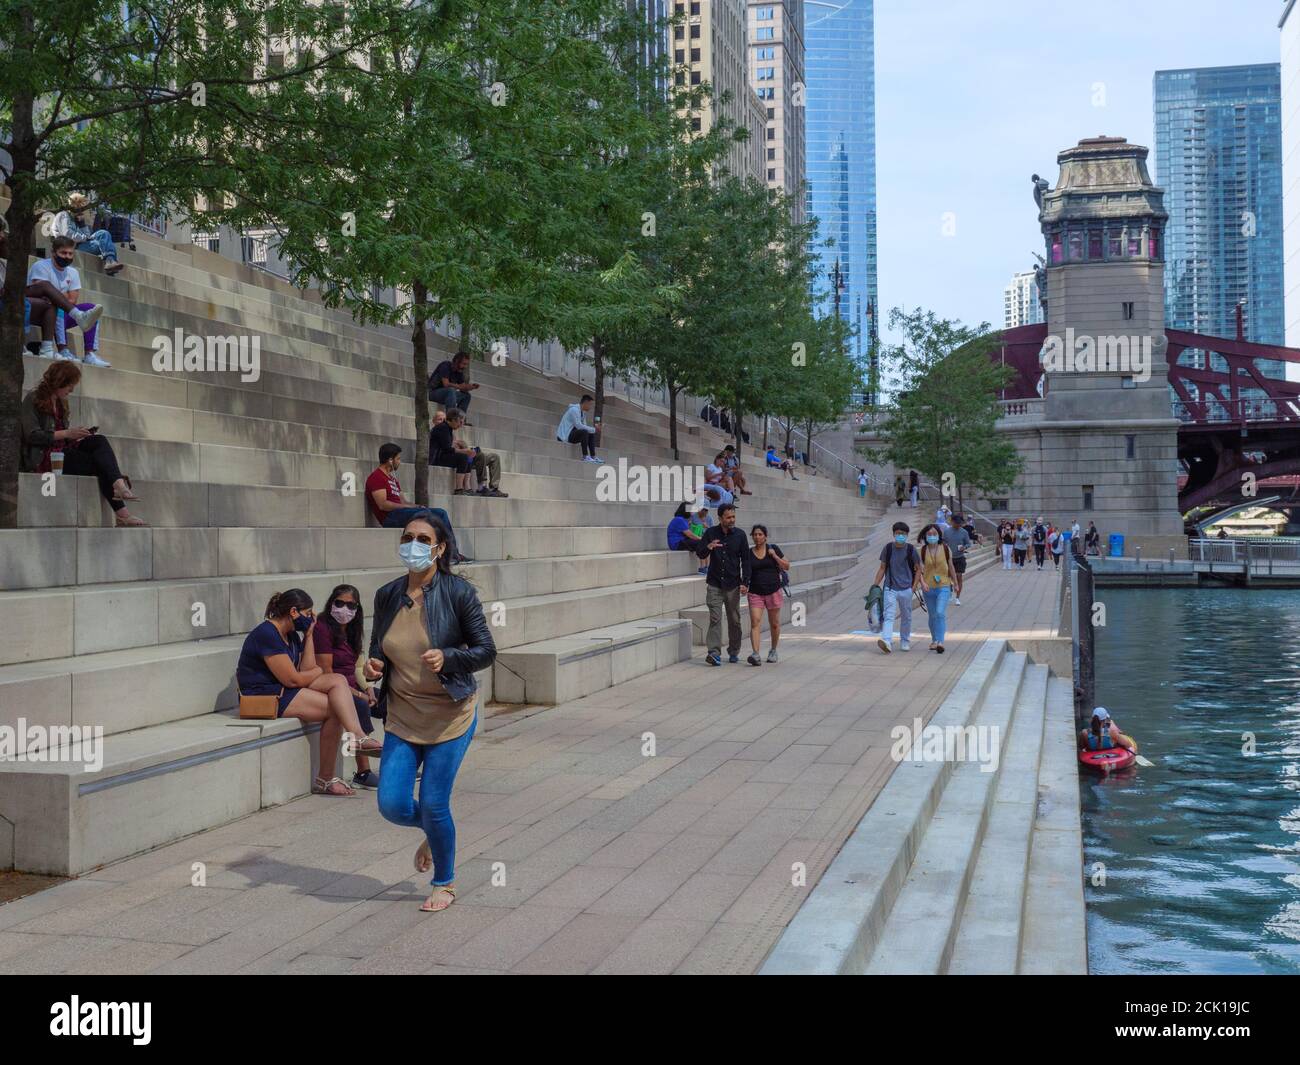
{"points": [[776, 73], [709, 47], [1289, 25], [1219, 159], [840, 72], [652, 14], [1021, 301]]}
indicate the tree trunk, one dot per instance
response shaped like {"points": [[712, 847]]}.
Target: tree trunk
{"points": [[21, 217], [807, 442], [789, 432], [598, 361], [737, 429], [420, 362], [672, 420], [766, 423]]}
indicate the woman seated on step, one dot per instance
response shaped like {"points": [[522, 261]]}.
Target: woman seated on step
{"points": [[50, 443], [681, 531], [279, 658], [428, 641], [338, 636]]}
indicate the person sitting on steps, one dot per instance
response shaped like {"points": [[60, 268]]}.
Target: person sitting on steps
{"points": [[45, 432], [449, 383], [338, 638], [574, 430], [74, 222], [57, 280], [42, 302], [389, 509], [279, 658], [485, 465]]}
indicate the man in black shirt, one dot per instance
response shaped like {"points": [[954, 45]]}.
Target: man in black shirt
{"points": [[1039, 539], [727, 549], [447, 384]]}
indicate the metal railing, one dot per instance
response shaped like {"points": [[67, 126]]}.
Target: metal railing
{"points": [[1211, 409], [1272, 549]]}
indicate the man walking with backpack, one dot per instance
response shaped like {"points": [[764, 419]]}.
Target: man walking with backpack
{"points": [[899, 571], [727, 549], [1039, 539]]}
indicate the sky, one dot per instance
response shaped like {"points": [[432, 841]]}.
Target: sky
{"points": [[974, 96]]}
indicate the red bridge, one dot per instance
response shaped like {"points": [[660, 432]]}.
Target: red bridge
{"points": [[1235, 420]]}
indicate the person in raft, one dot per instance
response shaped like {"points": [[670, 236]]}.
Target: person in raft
{"points": [[279, 658], [1102, 734], [429, 640]]}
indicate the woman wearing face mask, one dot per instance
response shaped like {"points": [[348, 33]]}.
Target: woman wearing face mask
{"points": [[429, 639], [337, 637], [279, 658], [938, 577]]}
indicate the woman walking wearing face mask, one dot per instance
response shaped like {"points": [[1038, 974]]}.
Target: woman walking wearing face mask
{"points": [[428, 641], [939, 577], [279, 658]]}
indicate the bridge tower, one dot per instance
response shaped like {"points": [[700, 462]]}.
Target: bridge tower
{"points": [[1107, 442]]}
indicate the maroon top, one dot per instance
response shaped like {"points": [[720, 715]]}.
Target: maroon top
{"points": [[344, 661]]}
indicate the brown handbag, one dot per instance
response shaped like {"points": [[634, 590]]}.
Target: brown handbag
{"points": [[259, 707]]}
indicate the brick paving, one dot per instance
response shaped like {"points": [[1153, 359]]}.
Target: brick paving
{"points": [[577, 853]]}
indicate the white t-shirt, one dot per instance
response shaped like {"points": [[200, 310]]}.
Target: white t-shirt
{"points": [[862, 478], [64, 280]]}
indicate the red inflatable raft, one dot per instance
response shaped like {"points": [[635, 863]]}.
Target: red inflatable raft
{"points": [[1109, 760]]}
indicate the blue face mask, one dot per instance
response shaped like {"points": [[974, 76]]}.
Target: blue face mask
{"points": [[416, 556], [900, 538], [931, 539], [302, 622]]}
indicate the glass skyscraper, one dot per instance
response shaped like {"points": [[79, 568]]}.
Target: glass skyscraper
{"points": [[840, 71], [1219, 158]]}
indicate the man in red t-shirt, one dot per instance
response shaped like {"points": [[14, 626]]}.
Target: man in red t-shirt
{"points": [[384, 497]]}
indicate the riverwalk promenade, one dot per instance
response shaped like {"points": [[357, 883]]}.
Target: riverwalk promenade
{"points": [[577, 851]]}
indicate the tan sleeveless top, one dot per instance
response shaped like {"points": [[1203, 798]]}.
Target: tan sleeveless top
{"points": [[419, 708]]}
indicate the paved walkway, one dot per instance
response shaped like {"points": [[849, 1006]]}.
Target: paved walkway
{"points": [[577, 853]]}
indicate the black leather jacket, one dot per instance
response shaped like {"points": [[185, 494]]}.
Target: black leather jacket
{"points": [[453, 618]]}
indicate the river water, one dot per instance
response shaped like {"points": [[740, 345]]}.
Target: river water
{"points": [[1201, 853]]}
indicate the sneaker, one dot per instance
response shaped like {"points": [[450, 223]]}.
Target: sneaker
{"points": [[590, 458], [86, 319], [45, 351], [771, 655], [883, 644], [956, 600], [904, 645], [702, 570], [713, 660], [938, 649], [496, 493], [114, 268], [368, 780], [753, 660], [64, 355], [92, 359], [733, 659]]}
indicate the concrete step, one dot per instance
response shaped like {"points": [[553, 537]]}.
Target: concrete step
{"points": [[1055, 938], [921, 928], [569, 667], [837, 928], [988, 938]]}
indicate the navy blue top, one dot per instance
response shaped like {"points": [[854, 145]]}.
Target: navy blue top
{"points": [[253, 675]]}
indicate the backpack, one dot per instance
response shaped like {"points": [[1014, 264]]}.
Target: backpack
{"points": [[913, 560]]}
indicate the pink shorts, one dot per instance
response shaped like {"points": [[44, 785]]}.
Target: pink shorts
{"points": [[767, 602]]}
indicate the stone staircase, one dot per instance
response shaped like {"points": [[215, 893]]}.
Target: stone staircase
{"points": [[254, 487], [955, 869]]}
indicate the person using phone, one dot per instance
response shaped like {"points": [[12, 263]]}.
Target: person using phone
{"points": [[45, 429]]}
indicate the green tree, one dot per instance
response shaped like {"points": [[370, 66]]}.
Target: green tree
{"points": [[944, 418], [139, 112]]}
